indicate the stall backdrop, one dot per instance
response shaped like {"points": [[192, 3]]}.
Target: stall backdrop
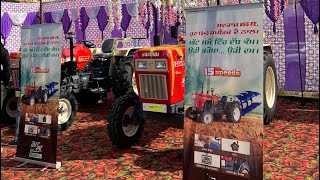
{"points": [[279, 25]]}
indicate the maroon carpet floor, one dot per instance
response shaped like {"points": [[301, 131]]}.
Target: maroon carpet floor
{"points": [[291, 148]]}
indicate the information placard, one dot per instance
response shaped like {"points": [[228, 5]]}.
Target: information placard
{"points": [[223, 123], [40, 92]]}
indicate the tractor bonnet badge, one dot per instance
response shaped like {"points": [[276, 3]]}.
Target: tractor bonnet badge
{"points": [[235, 146]]}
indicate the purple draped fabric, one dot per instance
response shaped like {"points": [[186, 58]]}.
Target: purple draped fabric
{"points": [[29, 19], [66, 21], [311, 8], [125, 19], [6, 26], [36, 20], [48, 17], [271, 13], [147, 26], [79, 34], [102, 19], [84, 21]]}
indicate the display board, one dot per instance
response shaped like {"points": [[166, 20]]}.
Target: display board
{"points": [[40, 84], [223, 126]]}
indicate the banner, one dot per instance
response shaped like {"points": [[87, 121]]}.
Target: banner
{"points": [[40, 84], [223, 123]]}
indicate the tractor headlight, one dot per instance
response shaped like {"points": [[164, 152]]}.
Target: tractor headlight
{"points": [[142, 64], [161, 65]]}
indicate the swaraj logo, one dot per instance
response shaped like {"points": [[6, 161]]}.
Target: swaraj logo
{"points": [[205, 159], [39, 70], [217, 71], [150, 54]]}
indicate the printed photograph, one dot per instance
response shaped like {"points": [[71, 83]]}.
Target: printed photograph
{"points": [[46, 119], [44, 132], [30, 129], [234, 166], [203, 160], [207, 142]]}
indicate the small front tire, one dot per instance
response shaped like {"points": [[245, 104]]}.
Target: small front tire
{"points": [[233, 113], [125, 123], [68, 108]]}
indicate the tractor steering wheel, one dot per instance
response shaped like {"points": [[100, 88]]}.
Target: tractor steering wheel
{"points": [[217, 95]]}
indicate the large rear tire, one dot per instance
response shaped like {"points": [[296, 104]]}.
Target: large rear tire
{"points": [[125, 121], [68, 108], [233, 113], [9, 108], [270, 87]]}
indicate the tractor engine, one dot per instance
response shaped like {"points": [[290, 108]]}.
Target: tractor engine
{"points": [[159, 73]]}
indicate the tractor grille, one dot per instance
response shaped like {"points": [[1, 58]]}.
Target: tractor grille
{"points": [[153, 86]]}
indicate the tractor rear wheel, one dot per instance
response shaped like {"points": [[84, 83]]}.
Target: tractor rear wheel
{"points": [[32, 99], [9, 108], [233, 113], [68, 108], [191, 114], [44, 97], [270, 87], [207, 117], [125, 122]]}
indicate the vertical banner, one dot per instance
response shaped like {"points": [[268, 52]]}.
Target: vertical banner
{"points": [[223, 123], [40, 84]]}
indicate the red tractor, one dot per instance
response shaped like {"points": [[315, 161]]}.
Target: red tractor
{"points": [[206, 107], [160, 76], [35, 94]]}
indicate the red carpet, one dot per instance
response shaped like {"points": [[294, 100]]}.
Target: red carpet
{"points": [[291, 148]]}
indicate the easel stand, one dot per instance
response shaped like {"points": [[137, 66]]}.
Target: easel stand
{"points": [[46, 165]]}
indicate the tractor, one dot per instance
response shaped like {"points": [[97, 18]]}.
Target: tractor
{"points": [[205, 107], [34, 94], [208, 107], [160, 77]]}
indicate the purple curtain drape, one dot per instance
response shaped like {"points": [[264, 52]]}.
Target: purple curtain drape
{"points": [[147, 26], [311, 8], [126, 18], [102, 19], [29, 19], [271, 13], [36, 19], [84, 21], [79, 34], [66, 21], [48, 17], [6, 26]]}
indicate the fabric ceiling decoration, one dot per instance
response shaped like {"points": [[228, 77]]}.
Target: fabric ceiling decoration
{"points": [[92, 11], [30, 18], [102, 19], [125, 19], [311, 8], [272, 14], [17, 18], [73, 14], [57, 15], [36, 19], [6, 26], [66, 21], [84, 21], [132, 9], [48, 17]]}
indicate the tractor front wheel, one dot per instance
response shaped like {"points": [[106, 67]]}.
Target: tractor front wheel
{"points": [[191, 114], [234, 113], [125, 122], [67, 110], [9, 108]]}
